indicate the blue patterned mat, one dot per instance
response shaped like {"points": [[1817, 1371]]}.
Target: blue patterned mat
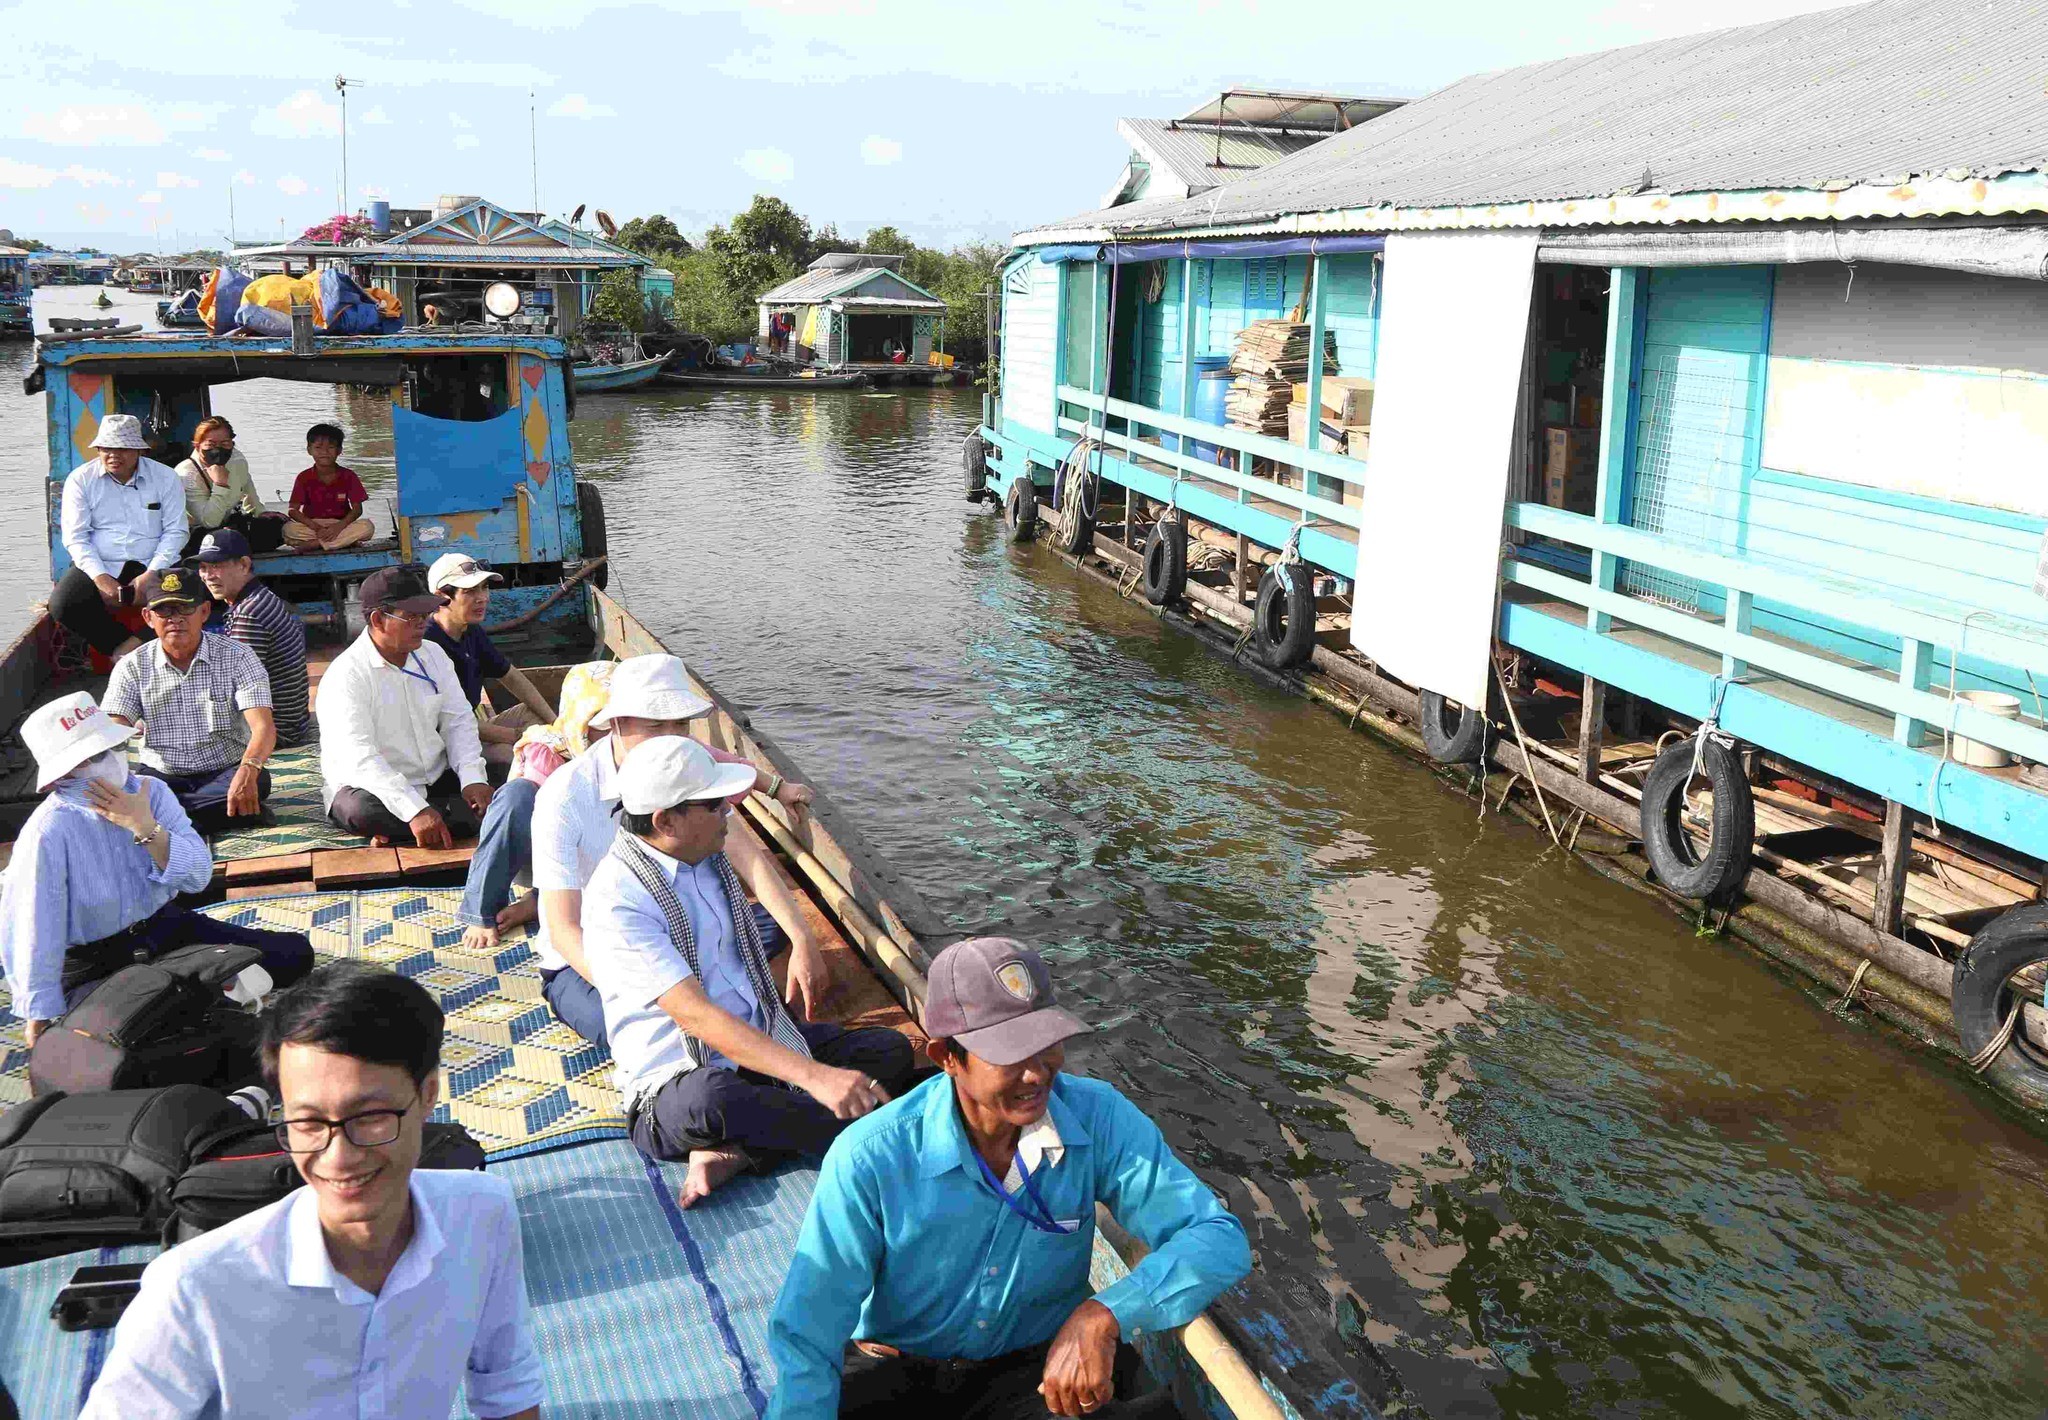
{"points": [[641, 1309]]}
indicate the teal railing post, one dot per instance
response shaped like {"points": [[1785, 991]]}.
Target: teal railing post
{"points": [[1916, 660], [1318, 309], [1617, 410], [1187, 344], [1059, 343]]}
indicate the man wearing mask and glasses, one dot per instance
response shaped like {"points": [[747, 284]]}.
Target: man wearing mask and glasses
{"points": [[377, 1288], [400, 758], [97, 869]]}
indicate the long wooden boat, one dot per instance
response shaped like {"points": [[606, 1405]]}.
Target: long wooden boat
{"points": [[739, 380], [608, 1314], [604, 379]]}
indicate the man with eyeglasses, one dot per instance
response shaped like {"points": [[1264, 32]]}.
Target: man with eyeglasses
{"points": [[203, 702], [374, 1290], [714, 1068], [399, 753]]}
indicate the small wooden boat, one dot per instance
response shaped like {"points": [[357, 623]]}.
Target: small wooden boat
{"points": [[739, 380], [102, 300], [602, 379], [181, 314]]}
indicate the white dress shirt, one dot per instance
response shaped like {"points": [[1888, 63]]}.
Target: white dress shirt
{"points": [[573, 824], [634, 961], [392, 732], [252, 1319], [107, 522]]}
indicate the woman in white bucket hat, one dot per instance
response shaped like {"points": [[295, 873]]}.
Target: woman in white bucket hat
{"points": [[124, 515], [97, 870]]}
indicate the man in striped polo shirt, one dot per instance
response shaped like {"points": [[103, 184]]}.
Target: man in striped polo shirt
{"points": [[260, 620]]}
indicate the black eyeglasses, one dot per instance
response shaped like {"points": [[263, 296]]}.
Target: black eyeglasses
{"points": [[368, 1130]]}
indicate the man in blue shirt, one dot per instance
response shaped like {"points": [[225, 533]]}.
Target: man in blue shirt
{"points": [[458, 629], [950, 1232]]}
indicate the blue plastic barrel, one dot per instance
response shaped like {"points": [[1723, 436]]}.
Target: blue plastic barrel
{"points": [[380, 217], [1212, 387]]}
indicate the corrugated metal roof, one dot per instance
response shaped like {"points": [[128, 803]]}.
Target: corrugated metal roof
{"points": [[1201, 158], [480, 254], [1871, 94], [823, 284]]}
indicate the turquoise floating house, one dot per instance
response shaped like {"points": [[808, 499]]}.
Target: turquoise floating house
{"points": [[1708, 370], [851, 311]]}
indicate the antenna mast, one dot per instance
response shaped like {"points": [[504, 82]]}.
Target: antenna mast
{"points": [[341, 86], [533, 139]]}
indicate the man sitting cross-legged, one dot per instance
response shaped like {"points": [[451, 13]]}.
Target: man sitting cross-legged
{"points": [[203, 702], [711, 1064], [379, 1287]]}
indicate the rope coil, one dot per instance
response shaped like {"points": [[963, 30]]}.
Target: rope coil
{"points": [[1995, 1047]]}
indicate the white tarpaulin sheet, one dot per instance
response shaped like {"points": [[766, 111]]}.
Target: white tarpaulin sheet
{"points": [[1453, 320]]}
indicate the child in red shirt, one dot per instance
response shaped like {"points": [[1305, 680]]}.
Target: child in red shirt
{"points": [[327, 500]]}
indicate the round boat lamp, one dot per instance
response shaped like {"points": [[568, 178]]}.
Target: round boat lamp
{"points": [[501, 299]]}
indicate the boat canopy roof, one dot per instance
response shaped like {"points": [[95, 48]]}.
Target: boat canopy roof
{"points": [[193, 359]]}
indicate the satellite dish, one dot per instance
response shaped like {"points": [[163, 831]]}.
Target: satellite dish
{"points": [[577, 215], [501, 299], [604, 220]]}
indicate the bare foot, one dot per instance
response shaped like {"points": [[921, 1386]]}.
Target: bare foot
{"points": [[378, 840], [480, 939], [526, 909], [708, 1169]]}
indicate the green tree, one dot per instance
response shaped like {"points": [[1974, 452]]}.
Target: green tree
{"points": [[655, 237], [706, 305], [772, 227], [619, 302], [828, 241]]}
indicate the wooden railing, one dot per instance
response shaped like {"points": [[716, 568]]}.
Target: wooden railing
{"points": [[1922, 625]]}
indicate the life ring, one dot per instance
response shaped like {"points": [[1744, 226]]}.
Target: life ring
{"points": [[1980, 1001], [974, 462], [1714, 872], [596, 541], [1020, 509], [1166, 561], [1458, 739], [1284, 619]]}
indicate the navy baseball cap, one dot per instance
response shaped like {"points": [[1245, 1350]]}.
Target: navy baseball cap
{"points": [[402, 588], [995, 997], [223, 545]]}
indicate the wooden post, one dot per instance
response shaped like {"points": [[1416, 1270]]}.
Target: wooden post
{"points": [[1238, 580], [1891, 872], [1592, 727], [408, 293]]}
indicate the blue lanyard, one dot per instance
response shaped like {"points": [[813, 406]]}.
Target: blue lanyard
{"points": [[1042, 1219], [421, 673]]}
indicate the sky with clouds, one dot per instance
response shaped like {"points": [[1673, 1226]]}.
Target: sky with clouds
{"points": [[132, 126]]}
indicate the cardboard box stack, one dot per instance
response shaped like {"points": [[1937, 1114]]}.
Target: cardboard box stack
{"points": [[1268, 358], [1571, 468]]}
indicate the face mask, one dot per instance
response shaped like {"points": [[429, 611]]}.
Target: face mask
{"points": [[110, 767], [215, 457]]}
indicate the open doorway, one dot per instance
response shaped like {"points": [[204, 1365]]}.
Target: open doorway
{"points": [[1568, 355], [877, 338]]}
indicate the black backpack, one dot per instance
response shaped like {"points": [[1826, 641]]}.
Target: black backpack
{"points": [[242, 1167], [164, 1022], [81, 1171]]}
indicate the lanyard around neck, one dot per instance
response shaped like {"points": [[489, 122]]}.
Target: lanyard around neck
{"points": [[1037, 1214], [420, 674]]}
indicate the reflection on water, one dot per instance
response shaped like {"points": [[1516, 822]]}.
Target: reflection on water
{"points": [[1521, 1128]]}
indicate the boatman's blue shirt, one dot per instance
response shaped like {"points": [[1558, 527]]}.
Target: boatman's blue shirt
{"points": [[906, 1244]]}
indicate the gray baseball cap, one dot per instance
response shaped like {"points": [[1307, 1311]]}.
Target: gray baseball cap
{"points": [[994, 996]]}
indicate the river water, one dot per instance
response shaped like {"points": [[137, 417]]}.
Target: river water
{"points": [[1554, 1153]]}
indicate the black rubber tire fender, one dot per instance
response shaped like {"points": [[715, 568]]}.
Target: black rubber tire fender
{"points": [[1284, 619], [2016, 939], [1716, 871], [974, 465], [1080, 537], [1020, 509], [1166, 562], [1451, 740], [596, 538]]}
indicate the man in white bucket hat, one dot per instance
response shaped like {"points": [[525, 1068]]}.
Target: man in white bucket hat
{"points": [[124, 515], [97, 870], [573, 827], [713, 1067]]}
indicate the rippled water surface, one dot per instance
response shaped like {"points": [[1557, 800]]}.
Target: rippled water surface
{"points": [[1554, 1154]]}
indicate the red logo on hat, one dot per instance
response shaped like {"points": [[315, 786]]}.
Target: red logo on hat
{"points": [[77, 717]]}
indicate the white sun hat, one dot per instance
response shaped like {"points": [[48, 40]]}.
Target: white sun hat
{"points": [[651, 688], [459, 569], [66, 733], [669, 770], [120, 431]]}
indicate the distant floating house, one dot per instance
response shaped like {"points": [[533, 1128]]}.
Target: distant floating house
{"points": [[854, 308], [466, 245], [1229, 138]]}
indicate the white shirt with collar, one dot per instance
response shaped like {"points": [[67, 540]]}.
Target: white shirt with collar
{"points": [[573, 824], [252, 1319], [391, 731], [107, 523]]}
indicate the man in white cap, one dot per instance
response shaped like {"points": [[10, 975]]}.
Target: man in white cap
{"points": [[399, 757], [97, 868], [123, 515], [458, 629], [713, 1067], [949, 1235], [574, 823]]}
